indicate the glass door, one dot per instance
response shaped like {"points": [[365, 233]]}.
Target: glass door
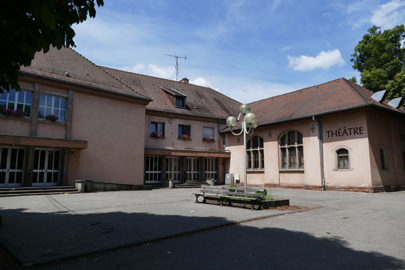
{"points": [[46, 167], [11, 166]]}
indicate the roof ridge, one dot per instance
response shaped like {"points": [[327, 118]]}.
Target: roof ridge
{"points": [[356, 91], [99, 67], [173, 81], [296, 91]]}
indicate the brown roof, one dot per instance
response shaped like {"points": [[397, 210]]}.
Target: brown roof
{"points": [[333, 96], [68, 66], [200, 101]]}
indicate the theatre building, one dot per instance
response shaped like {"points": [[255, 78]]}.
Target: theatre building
{"points": [[335, 135], [71, 120]]}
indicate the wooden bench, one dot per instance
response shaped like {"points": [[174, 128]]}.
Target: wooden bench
{"points": [[227, 195]]}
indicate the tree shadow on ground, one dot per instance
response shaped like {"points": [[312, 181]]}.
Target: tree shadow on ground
{"points": [[119, 240]]}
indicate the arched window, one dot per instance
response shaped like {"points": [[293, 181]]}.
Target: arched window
{"points": [[342, 158], [291, 151], [255, 153]]}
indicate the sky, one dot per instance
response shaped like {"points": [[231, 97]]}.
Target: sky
{"points": [[246, 49]]}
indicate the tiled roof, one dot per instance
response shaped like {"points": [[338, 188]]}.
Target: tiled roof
{"points": [[200, 101], [336, 95], [68, 66]]}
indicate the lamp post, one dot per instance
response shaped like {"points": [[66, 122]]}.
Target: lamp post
{"points": [[249, 122]]}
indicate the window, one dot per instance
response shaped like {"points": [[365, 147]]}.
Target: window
{"points": [[11, 166], [208, 134], [383, 159], [193, 169], [16, 103], [255, 153], [52, 108], [180, 102], [342, 157], [46, 167], [153, 170], [291, 151], [184, 132], [157, 130], [173, 169], [403, 158], [210, 168]]}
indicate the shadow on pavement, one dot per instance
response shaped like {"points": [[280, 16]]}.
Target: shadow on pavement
{"points": [[37, 238]]}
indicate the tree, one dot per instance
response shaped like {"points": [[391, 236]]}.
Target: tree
{"points": [[27, 27], [353, 79], [380, 58]]}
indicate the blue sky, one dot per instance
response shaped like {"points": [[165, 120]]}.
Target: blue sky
{"points": [[247, 49]]}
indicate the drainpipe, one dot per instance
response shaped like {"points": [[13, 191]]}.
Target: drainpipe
{"points": [[320, 136]]}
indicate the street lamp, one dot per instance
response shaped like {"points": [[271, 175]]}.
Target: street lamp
{"points": [[249, 122]]}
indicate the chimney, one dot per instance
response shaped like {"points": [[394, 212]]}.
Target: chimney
{"points": [[184, 80]]}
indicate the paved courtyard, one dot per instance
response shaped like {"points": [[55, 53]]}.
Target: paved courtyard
{"points": [[165, 229]]}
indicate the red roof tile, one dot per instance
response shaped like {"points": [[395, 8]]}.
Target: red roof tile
{"points": [[70, 67]]}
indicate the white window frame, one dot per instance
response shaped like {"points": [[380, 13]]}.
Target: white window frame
{"points": [[211, 168], [45, 170], [193, 169], [173, 169], [52, 107], [153, 176], [337, 159], [297, 146], [16, 101], [251, 151], [7, 170]]}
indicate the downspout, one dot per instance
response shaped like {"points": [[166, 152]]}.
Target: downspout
{"points": [[320, 136]]}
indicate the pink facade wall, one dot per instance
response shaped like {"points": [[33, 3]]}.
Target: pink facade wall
{"points": [[171, 141], [358, 175], [115, 132], [387, 131]]}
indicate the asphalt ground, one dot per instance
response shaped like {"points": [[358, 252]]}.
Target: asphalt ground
{"points": [[165, 229]]}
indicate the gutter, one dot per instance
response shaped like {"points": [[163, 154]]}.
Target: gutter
{"points": [[320, 136]]}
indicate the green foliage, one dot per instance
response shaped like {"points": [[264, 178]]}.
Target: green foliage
{"points": [[353, 79], [27, 27], [380, 56]]}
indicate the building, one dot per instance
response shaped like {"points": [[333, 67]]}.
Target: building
{"points": [[76, 120], [333, 136]]}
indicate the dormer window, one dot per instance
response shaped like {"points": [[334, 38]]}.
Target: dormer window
{"points": [[180, 102]]}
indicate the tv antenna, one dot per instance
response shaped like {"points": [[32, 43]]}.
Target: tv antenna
{"points": [[177, 63]]}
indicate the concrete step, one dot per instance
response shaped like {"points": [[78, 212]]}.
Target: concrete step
{"points": [[27, 191], [190, 185]]}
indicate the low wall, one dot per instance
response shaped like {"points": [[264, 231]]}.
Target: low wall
{"points": [[92, 186]]}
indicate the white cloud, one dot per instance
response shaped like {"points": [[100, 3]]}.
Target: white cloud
{"points": [[324, 60], [153, 70], [201, 81], [390, 14]]}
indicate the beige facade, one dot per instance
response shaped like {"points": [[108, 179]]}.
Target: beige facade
{"points": [[362, 133]]}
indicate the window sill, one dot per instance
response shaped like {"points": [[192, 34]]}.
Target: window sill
{"points": [[51, 122], [208, 141], [156, 137], [254, 171], [291, 170], [343, 170], [184, 139], [21, 118]]}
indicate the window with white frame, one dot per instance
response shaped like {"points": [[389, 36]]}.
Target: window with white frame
{"points": [[210, 168], [153, 169], [255, 153], [15, 103], [157, 130], [11, 166], [208, 134], [52, 108], [342, 159], [173, 169], [47, 165], [291, 151], [193, 169]]}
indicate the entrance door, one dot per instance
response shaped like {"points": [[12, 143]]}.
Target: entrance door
{"points": [[153, 170], [46, 167], [11, 166], [173, 169], [193, 169]]}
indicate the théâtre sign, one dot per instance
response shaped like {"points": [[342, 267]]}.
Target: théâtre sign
{"points": [[341, 132]]}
